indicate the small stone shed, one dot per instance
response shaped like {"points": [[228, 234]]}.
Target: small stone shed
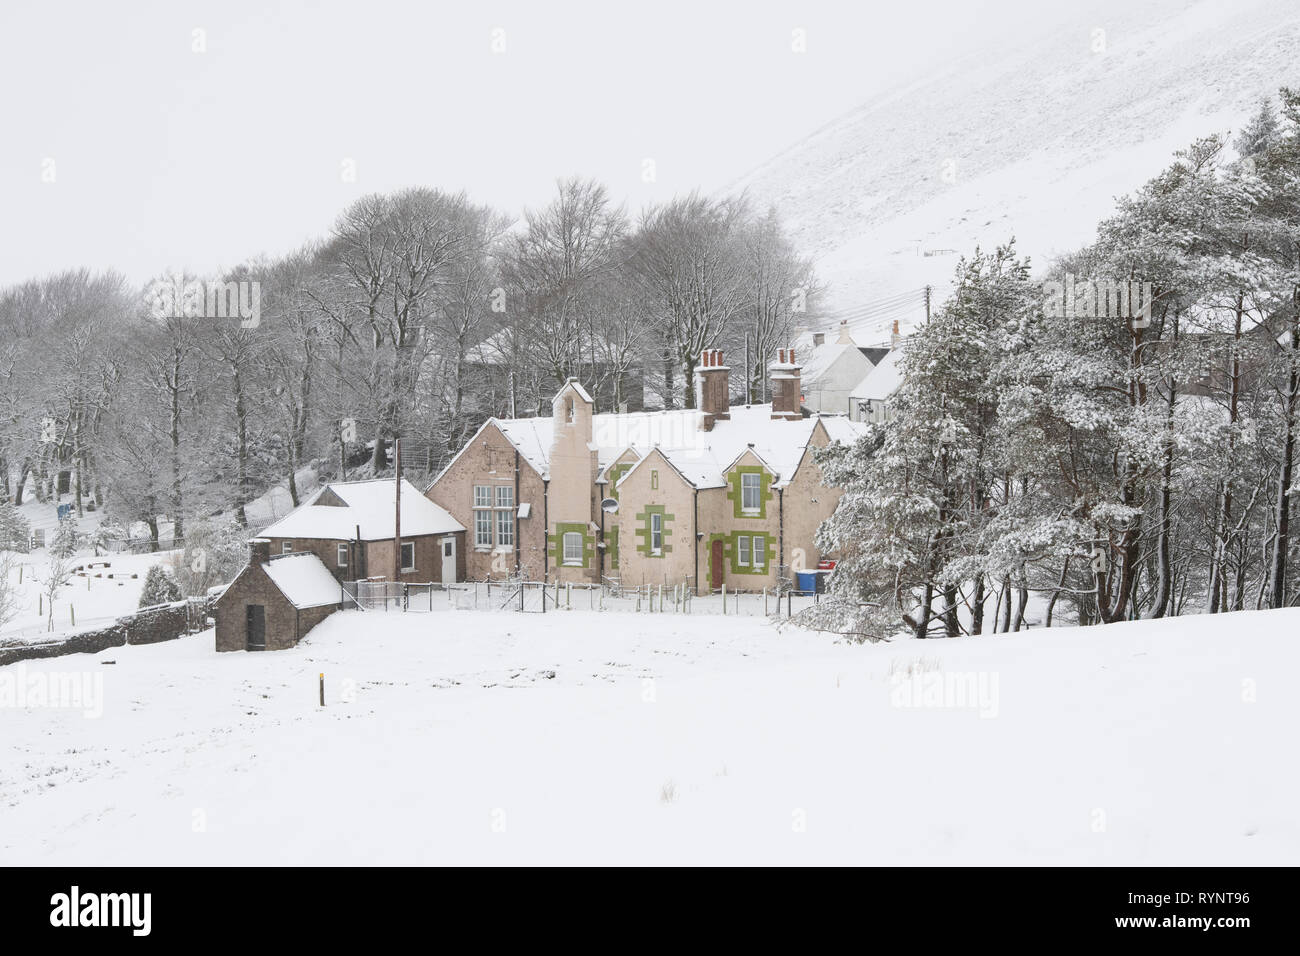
{"points": [[275, 601]]}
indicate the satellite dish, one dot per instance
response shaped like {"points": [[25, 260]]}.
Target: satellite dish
{"points": [[609, 505]]}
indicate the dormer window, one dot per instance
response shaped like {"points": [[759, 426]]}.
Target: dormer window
{"points": [[750, 492]]}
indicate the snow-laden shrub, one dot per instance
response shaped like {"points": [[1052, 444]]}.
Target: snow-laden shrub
{"points": [[64, 544], [15, 530], [159, 588], [851, 620], [214, 553]]}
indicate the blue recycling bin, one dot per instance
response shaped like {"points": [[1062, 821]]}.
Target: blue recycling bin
{"points": [[807, 581]]}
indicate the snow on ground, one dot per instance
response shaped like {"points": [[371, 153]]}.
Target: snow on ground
{"points": [[93, 601], [583, 737]]}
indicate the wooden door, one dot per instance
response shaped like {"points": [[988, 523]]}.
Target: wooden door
{"points": [[256, 627], [715, 566]]}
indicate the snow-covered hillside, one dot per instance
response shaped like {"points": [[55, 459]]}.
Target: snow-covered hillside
{"points": [[583, 737], [1034, 140]]}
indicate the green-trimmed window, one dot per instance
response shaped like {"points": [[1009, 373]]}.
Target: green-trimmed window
{"points": [[751, 492]]}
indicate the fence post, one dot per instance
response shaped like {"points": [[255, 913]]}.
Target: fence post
{"points": [[724, 598], [789, 602]]}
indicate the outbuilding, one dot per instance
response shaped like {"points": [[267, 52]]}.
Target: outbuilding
{"points": [[275, 600]]}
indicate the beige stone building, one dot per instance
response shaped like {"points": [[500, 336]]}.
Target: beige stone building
{"points": [[708, 496]]}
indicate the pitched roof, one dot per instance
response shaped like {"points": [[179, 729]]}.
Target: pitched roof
{"points": [[304, 580], [883, 380], [701, 457], [368, 505], [822, 359]]}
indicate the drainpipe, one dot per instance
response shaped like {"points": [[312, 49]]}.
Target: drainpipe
{"points": [[780, 529], [546, 529], [518, 566], [695, 529]]}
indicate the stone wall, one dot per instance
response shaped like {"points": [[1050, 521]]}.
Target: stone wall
{"points": [[151, 626]]}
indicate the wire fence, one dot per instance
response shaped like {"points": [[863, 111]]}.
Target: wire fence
{"points": [[538, 597]]}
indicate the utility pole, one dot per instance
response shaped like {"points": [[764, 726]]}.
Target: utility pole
{"points": [[397, 514], [927, 304]]}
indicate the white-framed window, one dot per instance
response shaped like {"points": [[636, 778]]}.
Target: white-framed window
{"points": [[750, 489], [656, 533], [505, 511], [286, 547], [343, 556], [573, 548], [742, 550], [482, 516], [408, 555], [760, 551]]}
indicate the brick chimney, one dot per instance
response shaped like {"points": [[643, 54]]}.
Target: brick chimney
{"points": [[787, 397], [259, 551], [895, 338], [845, 338], [715, 388]]}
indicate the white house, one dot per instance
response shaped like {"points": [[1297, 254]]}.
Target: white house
{"points": [[831, 369]]}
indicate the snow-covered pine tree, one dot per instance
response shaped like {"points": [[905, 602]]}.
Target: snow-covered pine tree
{"points": [[159, 588], [65, 540], [919, 489], [15, 530]]}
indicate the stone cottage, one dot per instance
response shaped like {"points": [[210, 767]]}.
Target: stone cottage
{"points": [[352, 525], [275, 600], [707, 496]]}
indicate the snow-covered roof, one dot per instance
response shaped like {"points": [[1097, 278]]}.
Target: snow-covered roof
{"points": [[368, 505], [701, 456], [304, 580], [704, 458], [574, 384], [883, 380], [821, 359]]}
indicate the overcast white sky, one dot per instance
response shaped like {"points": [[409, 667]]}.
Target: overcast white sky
{"points": [[165, 158]]}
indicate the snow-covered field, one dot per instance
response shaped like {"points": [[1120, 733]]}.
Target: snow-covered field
{"points": [[91, 600], [584, 737]]}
